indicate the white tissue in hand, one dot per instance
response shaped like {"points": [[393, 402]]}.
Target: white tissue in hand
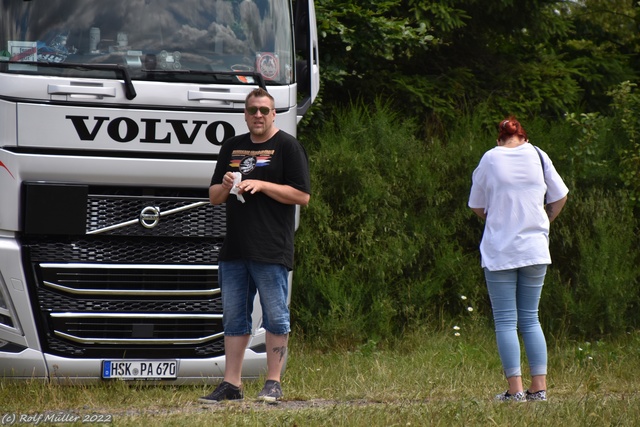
{"points": [[237, 178]]}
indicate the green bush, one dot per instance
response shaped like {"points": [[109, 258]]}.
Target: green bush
{"points": [[379, 248], [388, 243], [594, 288]]}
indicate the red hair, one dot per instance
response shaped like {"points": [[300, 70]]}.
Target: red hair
{"points": [[510, 127]]}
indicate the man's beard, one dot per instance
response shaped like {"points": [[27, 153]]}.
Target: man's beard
{"points": [[259, 131]]}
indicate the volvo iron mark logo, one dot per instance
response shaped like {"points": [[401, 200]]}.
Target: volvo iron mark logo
{"points": [[150, 217]]}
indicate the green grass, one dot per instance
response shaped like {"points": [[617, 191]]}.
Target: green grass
{"points": [[425, 378]]}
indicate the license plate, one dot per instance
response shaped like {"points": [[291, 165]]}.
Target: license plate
{"points": [[139, 369]]}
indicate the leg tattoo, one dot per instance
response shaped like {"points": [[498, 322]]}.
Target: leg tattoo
{"points": [[280, 350]]}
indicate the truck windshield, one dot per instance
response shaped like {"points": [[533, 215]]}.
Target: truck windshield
{"points": [[154, 39]]}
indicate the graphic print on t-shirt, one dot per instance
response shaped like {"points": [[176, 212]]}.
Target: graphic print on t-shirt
{"points": [[247, 160]]}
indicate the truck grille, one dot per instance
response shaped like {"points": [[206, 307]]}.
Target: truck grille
{"points": [[127, 289]]}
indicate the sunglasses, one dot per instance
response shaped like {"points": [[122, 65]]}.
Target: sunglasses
{"points": [[263, 110]]}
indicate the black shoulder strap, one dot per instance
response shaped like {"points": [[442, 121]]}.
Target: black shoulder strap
{"points": [[541, 159], [543, 175]]}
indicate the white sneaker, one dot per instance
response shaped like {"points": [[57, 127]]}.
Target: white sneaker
{"points": [[538, 396], [506, 397]]}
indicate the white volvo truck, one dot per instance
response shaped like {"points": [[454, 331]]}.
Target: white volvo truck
{"points": [[112, 113]]}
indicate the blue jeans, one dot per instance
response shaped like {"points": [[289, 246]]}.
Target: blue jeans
{"points": [[515, 296], [239, 281]]}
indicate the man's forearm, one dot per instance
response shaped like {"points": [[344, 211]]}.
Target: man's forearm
{"points": [[218, 194]]}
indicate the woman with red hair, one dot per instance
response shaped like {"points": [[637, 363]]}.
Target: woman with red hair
{"points": [[518, 192]]}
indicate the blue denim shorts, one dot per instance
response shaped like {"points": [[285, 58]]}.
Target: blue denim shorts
{"points": [[239, 281]]}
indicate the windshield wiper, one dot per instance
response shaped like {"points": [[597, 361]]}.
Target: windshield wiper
{"points": [[216, 75], [129, 89]]}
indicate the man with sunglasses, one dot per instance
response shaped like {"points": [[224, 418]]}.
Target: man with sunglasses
{"points": [[268, 172]]}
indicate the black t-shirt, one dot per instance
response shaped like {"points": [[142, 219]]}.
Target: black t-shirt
{"points": [[262, 229]]}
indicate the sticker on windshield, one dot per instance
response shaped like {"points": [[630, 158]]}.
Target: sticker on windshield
{"points": [[55, 50], [23, 51], [267, 65]]}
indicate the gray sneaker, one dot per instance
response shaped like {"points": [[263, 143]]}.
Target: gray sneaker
{"points": [[224, 391], [506, 397], [538, 396], [271, 392]]}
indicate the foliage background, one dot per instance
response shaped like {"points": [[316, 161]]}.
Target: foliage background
{"points": [[411, 93]]}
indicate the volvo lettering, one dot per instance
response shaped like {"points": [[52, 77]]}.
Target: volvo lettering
{"points": [[125, 129]]}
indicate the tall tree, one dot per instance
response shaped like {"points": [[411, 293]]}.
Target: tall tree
{"points": [[438, 57]]}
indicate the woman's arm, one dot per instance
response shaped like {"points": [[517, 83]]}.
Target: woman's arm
{"points": [[553, 209], [480, 212]]}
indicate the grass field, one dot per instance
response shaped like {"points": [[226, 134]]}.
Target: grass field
{"points": [[427, 378]]}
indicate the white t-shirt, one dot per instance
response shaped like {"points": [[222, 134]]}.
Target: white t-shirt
{"points": [[510, 186]]}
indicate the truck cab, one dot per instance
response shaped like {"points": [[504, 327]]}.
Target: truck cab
{"points": [[112, 114]]}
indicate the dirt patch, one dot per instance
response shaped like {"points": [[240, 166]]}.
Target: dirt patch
{"points": [[249, 405]]}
